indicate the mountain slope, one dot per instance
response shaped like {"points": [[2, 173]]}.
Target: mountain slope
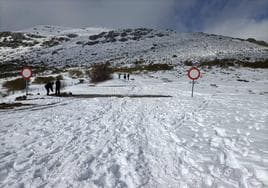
{"points": [[56, 46]]}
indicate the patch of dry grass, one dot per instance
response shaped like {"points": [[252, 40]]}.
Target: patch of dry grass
{"points": [[15, 85]]}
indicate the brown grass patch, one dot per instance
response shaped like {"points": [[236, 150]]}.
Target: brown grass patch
{"points": [[15, 85]]}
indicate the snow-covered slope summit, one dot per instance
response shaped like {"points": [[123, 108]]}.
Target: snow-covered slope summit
{"points": [[66, 46], [47, 30]]}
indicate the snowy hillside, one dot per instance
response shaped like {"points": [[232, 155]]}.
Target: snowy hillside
{"points": [[55, 46]]}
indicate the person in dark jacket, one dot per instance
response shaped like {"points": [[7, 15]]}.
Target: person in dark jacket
{"points": [[127, 76], [49, 86], [58, 87]]}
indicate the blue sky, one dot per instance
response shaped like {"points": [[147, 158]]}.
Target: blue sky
{"points": [[237, 18]]}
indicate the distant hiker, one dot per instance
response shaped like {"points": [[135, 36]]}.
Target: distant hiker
{"points": [[49, 86], [119, 75], [58, 86], [127, 76]]}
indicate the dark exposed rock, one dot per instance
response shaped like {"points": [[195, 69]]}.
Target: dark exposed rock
{"points": [[79, 42], [72, 35], [123, 39], [34, 36], [160, 34], [94, 37], [127, 30], [112, 34], [62, 39], [90, 43], [135, 38], [109, 40], [16, 39], [124, 34]]}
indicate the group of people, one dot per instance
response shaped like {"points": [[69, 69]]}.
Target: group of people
{"points": [[49, 87], [125, 76]]}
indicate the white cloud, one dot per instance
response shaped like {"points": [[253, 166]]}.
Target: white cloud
{"points": [[21, 14], [237, 18], [242, 28]]}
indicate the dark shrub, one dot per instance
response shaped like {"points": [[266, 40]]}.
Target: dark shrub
{"points": [[139, 68], [225, 63], [188, 63], [100, 72]]}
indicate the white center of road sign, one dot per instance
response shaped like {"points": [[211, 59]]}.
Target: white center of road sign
{"points": [[26, 73], [194, 73]]}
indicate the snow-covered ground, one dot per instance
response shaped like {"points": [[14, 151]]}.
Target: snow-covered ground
{"points": [[219, 138]]}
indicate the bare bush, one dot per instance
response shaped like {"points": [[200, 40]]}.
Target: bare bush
{"points": [[100, 72], [15, 85]]}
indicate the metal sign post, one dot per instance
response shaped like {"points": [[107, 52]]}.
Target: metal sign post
{"points": [[26, 73], [26, 87], [192, 89], [193, 74]]}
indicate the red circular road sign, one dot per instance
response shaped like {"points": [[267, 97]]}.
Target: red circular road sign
{"points": [[194, 73], [26, 73]]}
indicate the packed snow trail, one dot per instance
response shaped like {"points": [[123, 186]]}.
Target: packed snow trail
{"points": [[124, 143], [208, 141]]}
